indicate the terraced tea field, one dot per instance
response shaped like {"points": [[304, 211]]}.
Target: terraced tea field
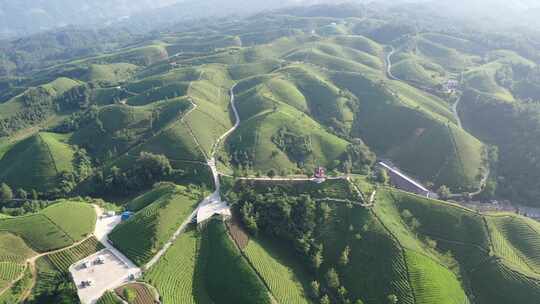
{"points": [[63, 259], [142, 293], [48, 237], [432, 282], [109, 298], [9, 271], [516, 241], [77, 219], [281, 279], [183, 257], [149, 229]]}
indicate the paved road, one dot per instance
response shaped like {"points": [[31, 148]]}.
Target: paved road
{"points": [[211, 204], [456, 113], [389, 65]]}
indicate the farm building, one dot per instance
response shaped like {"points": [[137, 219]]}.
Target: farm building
{"points": [[126, 216], [320, 172]]}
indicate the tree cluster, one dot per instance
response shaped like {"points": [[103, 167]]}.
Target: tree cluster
{"points": [[147, 170]]}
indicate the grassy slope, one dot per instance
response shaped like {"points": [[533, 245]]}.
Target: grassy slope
{"points": [[267, 107], [60, 225], [47, 237], [517, 241], [35, 162], [279, 270], [228, 277], [182, 257], [465, 234], [409, 67], [54, 88], [483, 79], [377, 265], [446, 57], [430, 279], [110, 72], [13, 248], [64, 259], [140, 237], [13, 254], [116, 122], [412, 129], [76, 219]]}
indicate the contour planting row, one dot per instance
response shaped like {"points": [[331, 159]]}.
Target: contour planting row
{"points": [[182, 259], [63, 259], [514, 238], [282, 281]]}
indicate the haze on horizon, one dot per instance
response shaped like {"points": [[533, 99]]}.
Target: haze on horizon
{"points": [[24, 17]]}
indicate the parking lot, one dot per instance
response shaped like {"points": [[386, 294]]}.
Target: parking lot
{"points": [[108, 274]]}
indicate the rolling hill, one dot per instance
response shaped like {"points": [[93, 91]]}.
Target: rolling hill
{"points": [[36, 162], [154, 224], [146, 121]]}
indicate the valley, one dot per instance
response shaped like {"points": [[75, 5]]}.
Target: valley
{"points": [[314, 154]]}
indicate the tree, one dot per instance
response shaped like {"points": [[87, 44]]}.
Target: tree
{"points": [[392, 299], [444, 192], [34, 195], [317, 259], [332, 278], [130, 295], [22, 194], [315, 289], [344, 258], [153, 165], [272, 173], [342, 292], [325, 300], [381, 175], [6, 194]]}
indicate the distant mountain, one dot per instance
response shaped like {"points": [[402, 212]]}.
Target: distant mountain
{"points": [[22, 17], [495, 12]]}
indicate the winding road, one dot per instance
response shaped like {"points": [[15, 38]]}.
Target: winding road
{"points": [[389, 65], [211, 204], [455, 106]]}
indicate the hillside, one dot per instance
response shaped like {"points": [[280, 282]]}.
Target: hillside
{"points": [[153, 225], [36, 162], [440, 250], [277, 122]]}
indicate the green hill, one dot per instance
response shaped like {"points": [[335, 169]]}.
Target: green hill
{"points": [[77, 219], [413, 69], [119, 128], [443, 55], [110, 72], [228, 277], [408, 127], [152, 226], [60, 225], [274, 266], [36, 162], [499, 247], [183, 257], [483, 80], [304, 143]]}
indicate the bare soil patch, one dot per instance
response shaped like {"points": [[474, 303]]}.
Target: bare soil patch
{"points": [[240, 237]]}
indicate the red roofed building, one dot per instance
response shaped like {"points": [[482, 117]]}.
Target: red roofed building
{"points": [[320, 172]]}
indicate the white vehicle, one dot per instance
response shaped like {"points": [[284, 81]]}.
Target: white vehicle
{"points": [[99, 260], [85, 284]]}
